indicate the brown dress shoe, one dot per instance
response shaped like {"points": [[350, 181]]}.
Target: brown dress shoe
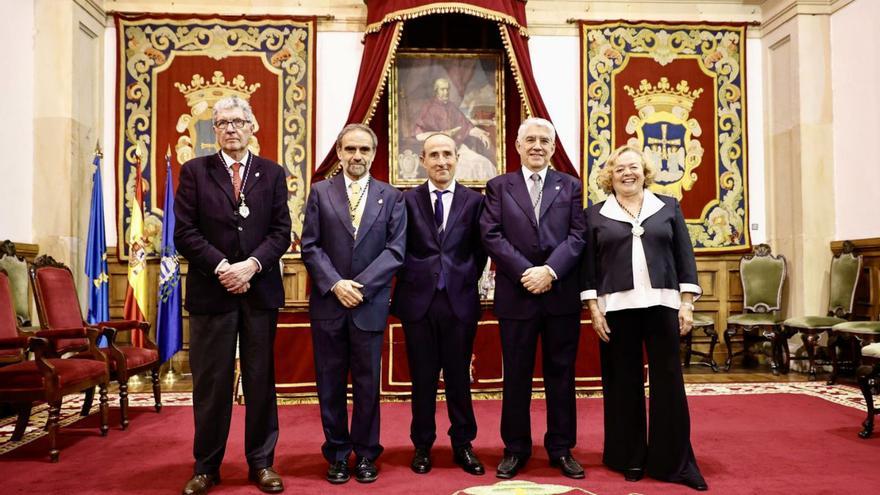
{"points": [[199, 484], [267, 480]]}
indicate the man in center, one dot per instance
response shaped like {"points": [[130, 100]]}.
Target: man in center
{"points": [[437, 300], [533, 228]]}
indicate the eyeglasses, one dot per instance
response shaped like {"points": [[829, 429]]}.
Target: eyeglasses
{"points": [[237, 123]]}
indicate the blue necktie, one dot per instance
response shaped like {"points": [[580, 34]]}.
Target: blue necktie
{"points": [[438, 221]]}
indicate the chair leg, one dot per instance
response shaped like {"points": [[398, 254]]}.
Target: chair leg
{"points": [[810, 340], [54, 417], [24, 416], [865, 376], [87, 401], [157, 388], [775, 350], [123, 403], [688, 348], [710, 332], [727, 335], [105, 413]]}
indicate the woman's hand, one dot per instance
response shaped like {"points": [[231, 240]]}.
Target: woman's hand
{"points": [[685, 318], [600, 325]]}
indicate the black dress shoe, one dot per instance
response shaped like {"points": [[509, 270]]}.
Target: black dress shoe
{"points": [[468, 461], [509, 466], [633, 474], [421, 461], [365, 471], [698, 484], [199, 484], [569, 466], [267, 480], [337, 473]]}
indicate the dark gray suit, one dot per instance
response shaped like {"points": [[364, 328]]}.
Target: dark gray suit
{"points": [[351, 339]]}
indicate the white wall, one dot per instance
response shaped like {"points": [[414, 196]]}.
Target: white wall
{"points": [[855, 72], [17, 124]]}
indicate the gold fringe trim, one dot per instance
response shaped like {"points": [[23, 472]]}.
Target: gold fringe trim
{"points": [[517, 74], [446, 8]]}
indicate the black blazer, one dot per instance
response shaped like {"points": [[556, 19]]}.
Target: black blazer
{"points": [[209, 229], [607, 262], [459, 250]]}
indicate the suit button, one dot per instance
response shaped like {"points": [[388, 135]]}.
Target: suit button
{"points": [[240, 228]]}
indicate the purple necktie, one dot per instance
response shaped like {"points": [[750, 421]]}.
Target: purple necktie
{"points": [[438, 220]]}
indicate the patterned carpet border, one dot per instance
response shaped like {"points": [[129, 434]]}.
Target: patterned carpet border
{"points": [[844, 395]]}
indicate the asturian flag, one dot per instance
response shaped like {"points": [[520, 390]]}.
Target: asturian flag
{"points": [[136, 293], [169, 327], [96, 254]]}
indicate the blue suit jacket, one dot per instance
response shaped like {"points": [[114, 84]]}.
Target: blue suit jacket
{"points": [[332, 253], [516, 242], [209, 229], [459, 251]]}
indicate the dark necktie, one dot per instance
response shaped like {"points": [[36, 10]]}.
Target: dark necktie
{"points": [[438, 221], [438, 209]]}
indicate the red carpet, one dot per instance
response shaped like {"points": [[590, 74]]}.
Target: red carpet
{"points": [[746, 444]]}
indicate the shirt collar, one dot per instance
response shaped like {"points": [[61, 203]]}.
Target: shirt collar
{"points": [[362, 181], [651, 204], [450, 187], [527, 174], [228, 160]]}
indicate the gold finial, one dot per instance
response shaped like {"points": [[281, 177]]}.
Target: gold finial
{"points": [[168, 152], [98, 149]]}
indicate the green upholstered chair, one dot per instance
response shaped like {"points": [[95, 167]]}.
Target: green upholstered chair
{"points": [[867, 376], [17, 270], [845, 268], [706, 324], [762, 275]]}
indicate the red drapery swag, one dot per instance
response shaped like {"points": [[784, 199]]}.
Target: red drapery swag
{"points": [[385, 24]]}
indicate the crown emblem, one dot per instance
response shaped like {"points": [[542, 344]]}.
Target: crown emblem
{"points": [[663, 97], [201, 91]]}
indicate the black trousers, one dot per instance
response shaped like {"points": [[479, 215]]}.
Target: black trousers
{"points": [[559, 343], [212, 359], [340, 346], [441, 341], [665, 451]]}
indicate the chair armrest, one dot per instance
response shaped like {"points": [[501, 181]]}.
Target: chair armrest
{"points": [[63, 333], [14, 343], [123, 325]]}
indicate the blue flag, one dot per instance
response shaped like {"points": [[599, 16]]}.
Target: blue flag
{"points": [[96, 254], [169, 327]]}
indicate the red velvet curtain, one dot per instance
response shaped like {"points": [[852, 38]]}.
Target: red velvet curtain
{"points": [[385, 23]]}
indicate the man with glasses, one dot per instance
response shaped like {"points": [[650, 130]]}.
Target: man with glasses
{"points": [[233, 226]]}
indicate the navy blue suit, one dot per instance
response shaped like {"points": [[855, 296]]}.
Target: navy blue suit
{"points": [[516, 241], [351, 339], [440, 324], [209, 229]]}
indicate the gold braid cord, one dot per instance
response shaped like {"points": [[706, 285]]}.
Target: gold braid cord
{"points": [[517, 73]]}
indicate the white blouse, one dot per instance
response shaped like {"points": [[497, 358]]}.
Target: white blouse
{"points": [[642, 295]]}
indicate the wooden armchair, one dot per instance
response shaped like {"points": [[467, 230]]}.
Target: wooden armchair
{"points": [[845, 268], [58, 307], [868, 376], [762, 275], [17, 271], [48, 378], [706, 324]]}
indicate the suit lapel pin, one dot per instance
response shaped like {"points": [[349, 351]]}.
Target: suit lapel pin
{"points": [[380, 201], [557, 188]]}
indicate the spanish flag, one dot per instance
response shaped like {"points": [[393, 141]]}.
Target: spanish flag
{"points": [[136, 293]]}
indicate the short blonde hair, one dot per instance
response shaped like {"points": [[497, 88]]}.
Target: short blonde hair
{"points": [[604, 176]]}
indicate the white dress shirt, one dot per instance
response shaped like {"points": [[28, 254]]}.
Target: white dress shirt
{"points": [[642, 295], [447, 199]]}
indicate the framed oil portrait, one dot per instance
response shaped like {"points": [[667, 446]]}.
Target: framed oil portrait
{"points": [[457, 93]]}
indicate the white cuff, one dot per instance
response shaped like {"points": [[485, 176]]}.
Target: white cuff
{"points": [[552, 272], [219, 265], [586, 295], [259, 265], [692, 288]]}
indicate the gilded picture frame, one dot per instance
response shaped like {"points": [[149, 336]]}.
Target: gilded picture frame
{"points": [[458, 93]]}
